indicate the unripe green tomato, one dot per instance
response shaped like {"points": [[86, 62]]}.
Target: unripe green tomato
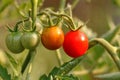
{"points": [[13, 42], [30, 40]]}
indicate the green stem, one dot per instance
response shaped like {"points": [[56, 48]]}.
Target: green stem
{"points": [[110, 22], [112, 34], [30, 65], [28, 60], [19, 10], [62, 5], [70, 13], [70, 10], [19, 22], [111, 49], [25, 20], [59, 57], [34, 11], [66, 17], [70, 20], [49, 17], [29, 71], [75, 2]]}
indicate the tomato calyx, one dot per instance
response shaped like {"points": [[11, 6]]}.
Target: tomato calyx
{"points": [[10, 30]]}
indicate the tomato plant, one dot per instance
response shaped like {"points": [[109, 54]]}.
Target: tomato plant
{"points": [[13, 42], [75, 43], [30, 40], [52, 38], [27, 32]]}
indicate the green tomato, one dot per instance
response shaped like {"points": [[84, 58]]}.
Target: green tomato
{"points": [[13, 42], [30, 40]]}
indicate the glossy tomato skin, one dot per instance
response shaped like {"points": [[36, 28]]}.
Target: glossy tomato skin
{"points": [[30, 40], [13, 42], [52, 38], [75, 43]]}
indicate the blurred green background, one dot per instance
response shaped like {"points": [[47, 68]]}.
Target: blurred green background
{"points": [[102, 14]]}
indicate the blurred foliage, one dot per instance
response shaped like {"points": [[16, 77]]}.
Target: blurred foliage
{"points": [[111, 76], [4, 73], [4, 4], [116, 2]]}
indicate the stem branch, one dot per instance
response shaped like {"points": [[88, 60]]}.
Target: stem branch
{"points": [[111, 49], [28, 60], [59, 57], [75, 2], [62, 5], [66, 17], [34, 11]]}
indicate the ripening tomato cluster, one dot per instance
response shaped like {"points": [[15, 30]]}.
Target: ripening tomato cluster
{"points": [[75, 43], [17, 41]]}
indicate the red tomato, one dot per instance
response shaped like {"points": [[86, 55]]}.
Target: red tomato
{"points": [[75, 43], [52, 38]]}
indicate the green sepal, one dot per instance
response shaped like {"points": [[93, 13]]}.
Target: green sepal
{"points": [[10, 30]]}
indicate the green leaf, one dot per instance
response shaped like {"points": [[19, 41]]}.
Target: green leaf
{"points": [[43, 77], [61, 72], [68, 66], [12, 60], [52, 74], [66, 77], [13, 63], [110, 76], [4, 73], [54, 71]]}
